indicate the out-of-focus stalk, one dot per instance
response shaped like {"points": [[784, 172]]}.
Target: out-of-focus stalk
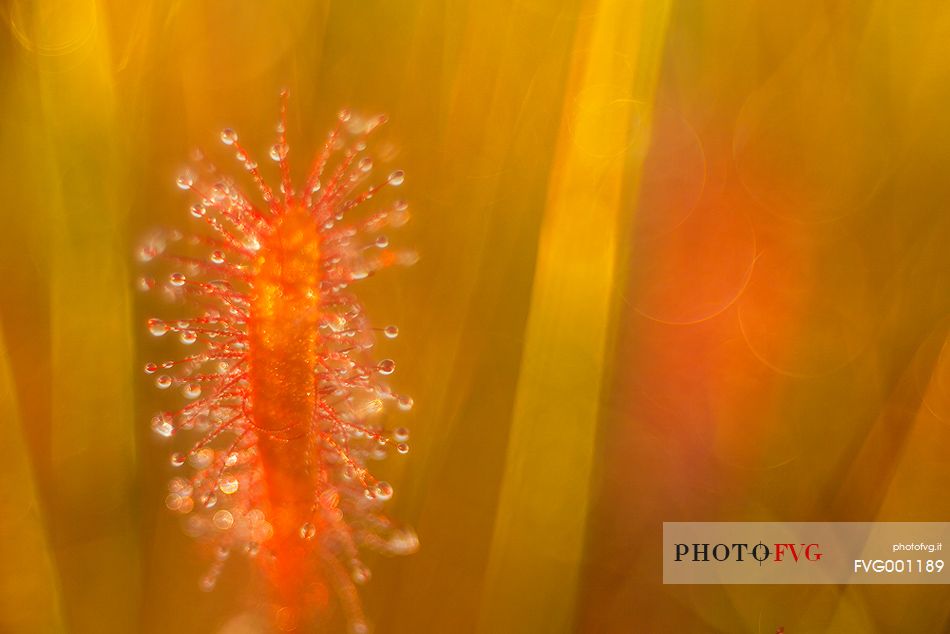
{"points": [[29, 595], [91, 444], [540, 523]]}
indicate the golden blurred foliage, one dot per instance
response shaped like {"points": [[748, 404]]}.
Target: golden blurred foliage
{"points": [[681, 260]]}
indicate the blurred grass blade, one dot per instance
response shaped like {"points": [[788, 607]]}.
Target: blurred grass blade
{"points": [[29, 596], [540, 523]]}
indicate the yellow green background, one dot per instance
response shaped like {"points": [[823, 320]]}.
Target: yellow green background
{"points": [[681, 260]]}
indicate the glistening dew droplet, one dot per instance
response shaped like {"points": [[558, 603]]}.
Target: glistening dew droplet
{"points": [[192, 390], [162, 427], [278, 151], [383, 490], [228, 136], [188, 337], [307, 531], [201, 458], [223, 520], [228, 484], [360, 573], [186, 179], [157, 327]]}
